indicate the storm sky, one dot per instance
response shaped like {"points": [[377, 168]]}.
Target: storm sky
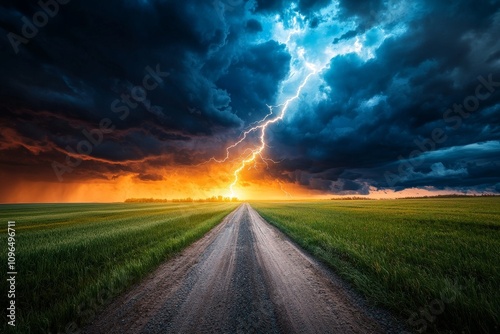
{"points": [[105, 100]]}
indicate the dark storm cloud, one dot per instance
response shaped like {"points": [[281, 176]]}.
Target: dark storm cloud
{"points": [[305, 7], [150, 177], [310, 6], [267, 6], [474, 165], [363, 9], [253, 25], [382, 109], [348, 35], [93, 51], [90, 60], [251, 79]]}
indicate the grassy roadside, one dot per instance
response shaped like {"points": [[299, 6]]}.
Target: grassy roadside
{"points": [[433, 261], [73, 258]]}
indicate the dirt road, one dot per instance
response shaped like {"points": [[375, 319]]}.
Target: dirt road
{"points": [[243, 277]]}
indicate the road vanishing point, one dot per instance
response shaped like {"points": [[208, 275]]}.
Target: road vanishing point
{"points": [[244, 276]]}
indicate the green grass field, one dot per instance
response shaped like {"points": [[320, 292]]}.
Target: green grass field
{"points": [[73, 258], [435, 262]]}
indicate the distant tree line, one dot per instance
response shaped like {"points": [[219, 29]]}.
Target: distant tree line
{"points": [[351, 198], [452, 196], [182, 200], [145, 200]]}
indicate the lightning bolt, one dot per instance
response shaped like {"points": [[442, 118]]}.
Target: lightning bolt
{"points": [[261, 127], [252, 155], [289, 30], [283, 190]]}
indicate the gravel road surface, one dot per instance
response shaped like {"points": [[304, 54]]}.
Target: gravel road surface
{"points": [[244, 276]]}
